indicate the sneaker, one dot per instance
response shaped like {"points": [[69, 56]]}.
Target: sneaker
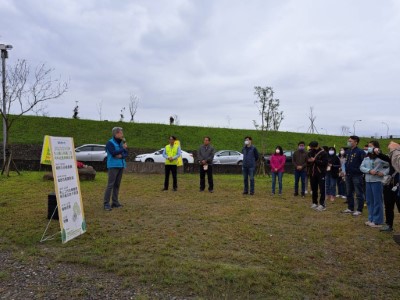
{"points": [[107, 208], [116, 205], [306, 192], [321, 208], [368, 223], [251, 193], [373, 225], [295, 194], [245, 193], [302, 195], [201, 190], [337, 196], [344, 197], [314, 206], [357, 213], [211, 191], [386, 228], [347, 211]]}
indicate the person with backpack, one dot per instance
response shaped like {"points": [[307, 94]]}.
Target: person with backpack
{"points": [[332, 173], [318, 162]]}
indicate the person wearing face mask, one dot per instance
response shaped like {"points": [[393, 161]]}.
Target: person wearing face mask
{"points": [[300, 168], [341, 183], [354, 177], [374, 169], [250, 157], [332, 173], [318, 160], [277, 164]]}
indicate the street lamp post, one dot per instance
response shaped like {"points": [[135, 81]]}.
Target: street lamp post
{"points": [[387, 129], [4, 54], [354, 126]]}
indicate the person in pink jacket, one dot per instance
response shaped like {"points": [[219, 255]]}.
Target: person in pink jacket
{"points": [[277, 163]]}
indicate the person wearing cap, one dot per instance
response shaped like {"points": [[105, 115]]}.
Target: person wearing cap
{"points": [[205, 157], [116, 149], [318, 160], [354, 176]]}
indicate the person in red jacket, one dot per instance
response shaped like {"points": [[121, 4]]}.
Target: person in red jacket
{"points": [[277, 163]]}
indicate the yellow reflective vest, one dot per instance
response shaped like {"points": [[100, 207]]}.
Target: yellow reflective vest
{"points": [[171, 152]]}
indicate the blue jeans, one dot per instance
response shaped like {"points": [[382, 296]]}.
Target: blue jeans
{"points": [[300, 175], [341, 184], [374, 192], [280, 175], [330, 184], [354, 184], [248, 173]]}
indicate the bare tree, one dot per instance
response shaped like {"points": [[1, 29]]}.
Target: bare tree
{"points": [[41, 110], [133, 106], [312, 128], [100, 110], [26, 89], [344, 130]]}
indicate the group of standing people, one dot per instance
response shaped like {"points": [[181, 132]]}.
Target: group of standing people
{"points": [[357, 174]]}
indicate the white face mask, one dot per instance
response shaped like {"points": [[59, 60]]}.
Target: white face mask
{"points": [[277, 151], [246, 142], [331, 152]]}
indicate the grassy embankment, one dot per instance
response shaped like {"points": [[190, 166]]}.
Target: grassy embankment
{"points": [[212, 246], [30, 130]]}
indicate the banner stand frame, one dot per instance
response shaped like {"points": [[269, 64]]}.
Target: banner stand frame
{"points": [[50, 237]]}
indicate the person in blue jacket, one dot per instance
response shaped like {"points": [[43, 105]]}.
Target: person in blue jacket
{"points": [[250, 157], [117, 152], [354, 176]]}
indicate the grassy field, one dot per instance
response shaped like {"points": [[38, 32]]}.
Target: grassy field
{"points": [[31, 129], [211, 246]]}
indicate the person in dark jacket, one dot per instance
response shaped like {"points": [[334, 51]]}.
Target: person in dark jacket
{"points": [[250, 157], [318, 160], [300, 168], [205, 157], [116, 149], [332, 173], [354, 177], [391, 192]]}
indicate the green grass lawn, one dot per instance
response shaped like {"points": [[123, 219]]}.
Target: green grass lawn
{"points": [[210, 246]]}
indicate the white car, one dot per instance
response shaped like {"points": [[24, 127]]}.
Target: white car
{"points": [[228, 157], [91, 152], [158, 158]]}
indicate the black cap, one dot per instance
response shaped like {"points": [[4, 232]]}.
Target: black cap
{"points": [[313, 144]]}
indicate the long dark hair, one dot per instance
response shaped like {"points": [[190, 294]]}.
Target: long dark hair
{"points": [[280, 150]]}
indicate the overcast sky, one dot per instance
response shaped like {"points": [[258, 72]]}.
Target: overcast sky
{"points": [[201, 59]]}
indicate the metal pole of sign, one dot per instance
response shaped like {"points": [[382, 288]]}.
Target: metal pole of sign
{"points": [[4, 55]]}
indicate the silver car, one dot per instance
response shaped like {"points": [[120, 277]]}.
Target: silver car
{"points": [[91, 152], [228, 157]]}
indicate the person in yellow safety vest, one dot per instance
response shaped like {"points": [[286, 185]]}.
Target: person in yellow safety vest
{"points": [[171, 153]]}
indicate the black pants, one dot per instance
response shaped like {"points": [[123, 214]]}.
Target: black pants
{"points": [[318, 181], [389, 198], [174, 170], [209, 177]]}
